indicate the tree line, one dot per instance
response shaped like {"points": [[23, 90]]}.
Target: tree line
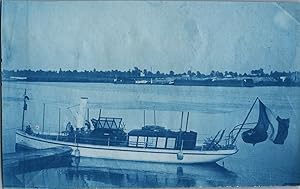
{"points": [[138, 73]]}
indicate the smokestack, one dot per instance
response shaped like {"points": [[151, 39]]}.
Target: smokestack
{"points": [[81, 116]]}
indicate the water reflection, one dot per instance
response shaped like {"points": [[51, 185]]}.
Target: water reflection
{"points": [[91, 173], [121, 175]]}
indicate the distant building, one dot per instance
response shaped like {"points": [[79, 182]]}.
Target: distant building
{"points": [[295, 77], [141, 82], [228, 76], [283, 78], [18, 78], [185, 77]]}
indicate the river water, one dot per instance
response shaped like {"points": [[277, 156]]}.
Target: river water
{"points": [[211, 109]]}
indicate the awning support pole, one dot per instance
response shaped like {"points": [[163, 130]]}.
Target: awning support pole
{"points": [[58, 124], [144, 117], [180, 131], [154, 117], [187, 121], [44, 108], [181, 122]]}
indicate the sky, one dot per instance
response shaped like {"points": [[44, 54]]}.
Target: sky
{"points": [[164, 36]]}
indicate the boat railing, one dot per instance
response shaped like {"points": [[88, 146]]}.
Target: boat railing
{"points": [[232, 134], [219, 141]]}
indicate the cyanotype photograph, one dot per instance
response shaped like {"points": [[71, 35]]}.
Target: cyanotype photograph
{"points": [[150, 94]]}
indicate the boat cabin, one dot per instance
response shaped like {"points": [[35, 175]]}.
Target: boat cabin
{"points": [[153, 136], [107, 131]]}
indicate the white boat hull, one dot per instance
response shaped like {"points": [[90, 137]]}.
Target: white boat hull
{"points": [[127, 153]]}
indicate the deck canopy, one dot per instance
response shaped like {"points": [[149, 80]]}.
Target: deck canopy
{"points": [[107, 122]]}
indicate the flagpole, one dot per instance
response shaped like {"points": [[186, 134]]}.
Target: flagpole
{"points": [[234, 140], [23, 116]]}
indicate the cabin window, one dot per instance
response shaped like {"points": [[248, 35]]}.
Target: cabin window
{"points": [[142, 141], [161, 142], [151, 142], [132, 140], [171, 143]]}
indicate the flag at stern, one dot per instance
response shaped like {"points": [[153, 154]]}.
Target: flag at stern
{"points": [[260, 132]]}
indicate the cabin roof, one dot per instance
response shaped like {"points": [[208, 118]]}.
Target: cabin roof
{"points": [[153, 131]]}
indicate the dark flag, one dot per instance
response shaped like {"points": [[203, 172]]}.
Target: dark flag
{"points": [[25, 104], [259, 132], [282, 132]]}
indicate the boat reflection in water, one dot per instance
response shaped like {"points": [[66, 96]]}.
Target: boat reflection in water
{"points": [[120, 177], [140, 174], [92, 173]]}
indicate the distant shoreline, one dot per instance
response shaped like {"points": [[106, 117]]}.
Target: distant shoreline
{"points": [[136, 76], [205, 83]]}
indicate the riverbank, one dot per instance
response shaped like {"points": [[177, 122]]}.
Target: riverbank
{"points": [[136, 76], [210, 81]]}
